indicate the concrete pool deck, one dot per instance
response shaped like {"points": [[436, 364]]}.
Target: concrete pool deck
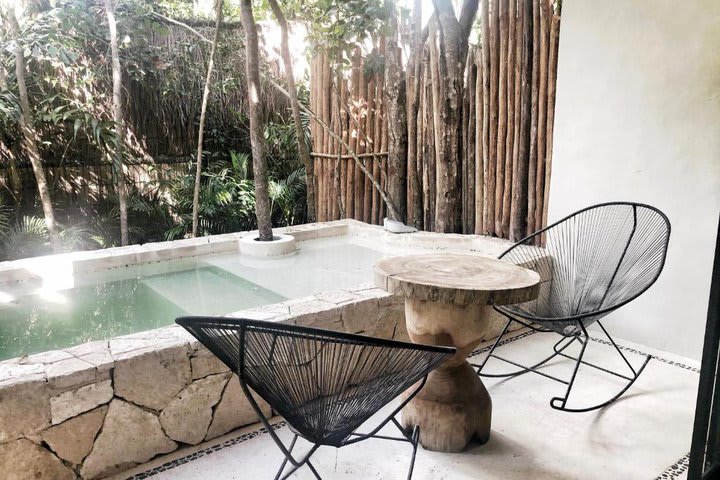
{"points": [[644, 435]]}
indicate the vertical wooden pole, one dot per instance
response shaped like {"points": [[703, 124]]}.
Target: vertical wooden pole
{"points": [[362, 142], [370, 146], [534, 119], [512, 107], [377, 140], [493, 124], [542, 113], [480, 138], [502, 114], [552, 79], [518, 214]]}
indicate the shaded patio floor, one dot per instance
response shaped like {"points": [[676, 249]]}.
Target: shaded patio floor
{"points": [[644, 435]]}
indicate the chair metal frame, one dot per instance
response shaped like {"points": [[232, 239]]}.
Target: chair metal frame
{"points": [[296, 462], [578, 323]]}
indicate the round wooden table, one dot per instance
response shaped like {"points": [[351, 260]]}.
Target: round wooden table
{"points": [[447, 299]]}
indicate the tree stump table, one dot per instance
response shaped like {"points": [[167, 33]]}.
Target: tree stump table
{"points": [[447, 301]]}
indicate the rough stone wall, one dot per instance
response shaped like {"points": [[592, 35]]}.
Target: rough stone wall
{"points": [[102, 407]]}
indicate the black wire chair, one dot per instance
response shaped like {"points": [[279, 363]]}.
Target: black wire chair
{"points": [[590, 263], [325, 384]]}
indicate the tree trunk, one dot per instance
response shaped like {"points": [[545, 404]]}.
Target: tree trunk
{"points": [[257, 139], [413, 130], [119, 122], [295, 105], [29, 134], [203, 111], [397, 120], [453, 38]]}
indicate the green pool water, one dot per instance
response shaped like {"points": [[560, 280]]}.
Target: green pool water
{"points": [[45, 321], [102, 305]]}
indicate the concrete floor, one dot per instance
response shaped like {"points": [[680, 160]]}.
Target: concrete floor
{"points": [[644, 435]]}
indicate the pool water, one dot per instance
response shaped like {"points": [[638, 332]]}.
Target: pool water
{"points": [[133, 299]]}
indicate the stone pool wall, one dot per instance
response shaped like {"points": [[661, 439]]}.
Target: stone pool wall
{"points": [[99, 408]]}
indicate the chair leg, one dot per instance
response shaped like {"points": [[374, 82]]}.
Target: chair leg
{"points": [[285, 459], [415, 439], [296, 467], [522, 368], [560, 403]]}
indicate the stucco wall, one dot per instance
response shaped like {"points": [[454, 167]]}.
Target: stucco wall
{"points": [[638, 118]]}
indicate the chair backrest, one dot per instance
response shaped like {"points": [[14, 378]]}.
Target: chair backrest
{"points": [[594, 260], [324, 383]]}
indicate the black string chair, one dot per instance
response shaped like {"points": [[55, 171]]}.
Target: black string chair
{"points": [[325, 384], [590, 263]]}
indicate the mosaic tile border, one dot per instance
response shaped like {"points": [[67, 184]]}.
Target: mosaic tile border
{"points": [[205, 451], [676, 469], [673, 472]]}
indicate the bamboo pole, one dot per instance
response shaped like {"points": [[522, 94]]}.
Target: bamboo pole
{"points": [[552, 80], [370, 147], [464, 134], [542, 113], [342, 162], [512, 106], [429, 145], [490, 173], [377, 140], [480, 141], [335, 204], [383, 168], [518, 213], [502, 115], [354, 136], [362, 142], [471, 150], [534, 119]]}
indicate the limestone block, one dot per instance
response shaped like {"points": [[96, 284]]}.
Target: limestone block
{"points": [[338, 297], [95, 353], [390, 323], [24, 409], [46, 357], [313, 312], [25, 460], [71, 372], [12, 372], [187, 417], [130, 435], [69, 404], [360, 316], [234, 410], [129, 346], [73, 439], [153, 378], [204, 363]]}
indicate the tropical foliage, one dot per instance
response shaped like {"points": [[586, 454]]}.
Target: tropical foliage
{"points": [[70, 91]]}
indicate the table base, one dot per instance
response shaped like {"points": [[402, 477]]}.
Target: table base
{"points": [[453, 408]]}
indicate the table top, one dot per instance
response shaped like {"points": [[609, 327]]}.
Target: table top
{"points": [[460, 279]]}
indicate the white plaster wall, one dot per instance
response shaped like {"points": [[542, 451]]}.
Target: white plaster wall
{"points": [[638, 118]]}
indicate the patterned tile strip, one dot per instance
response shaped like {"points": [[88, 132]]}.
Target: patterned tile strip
{"points": [[676, 469], [205, 451]]}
